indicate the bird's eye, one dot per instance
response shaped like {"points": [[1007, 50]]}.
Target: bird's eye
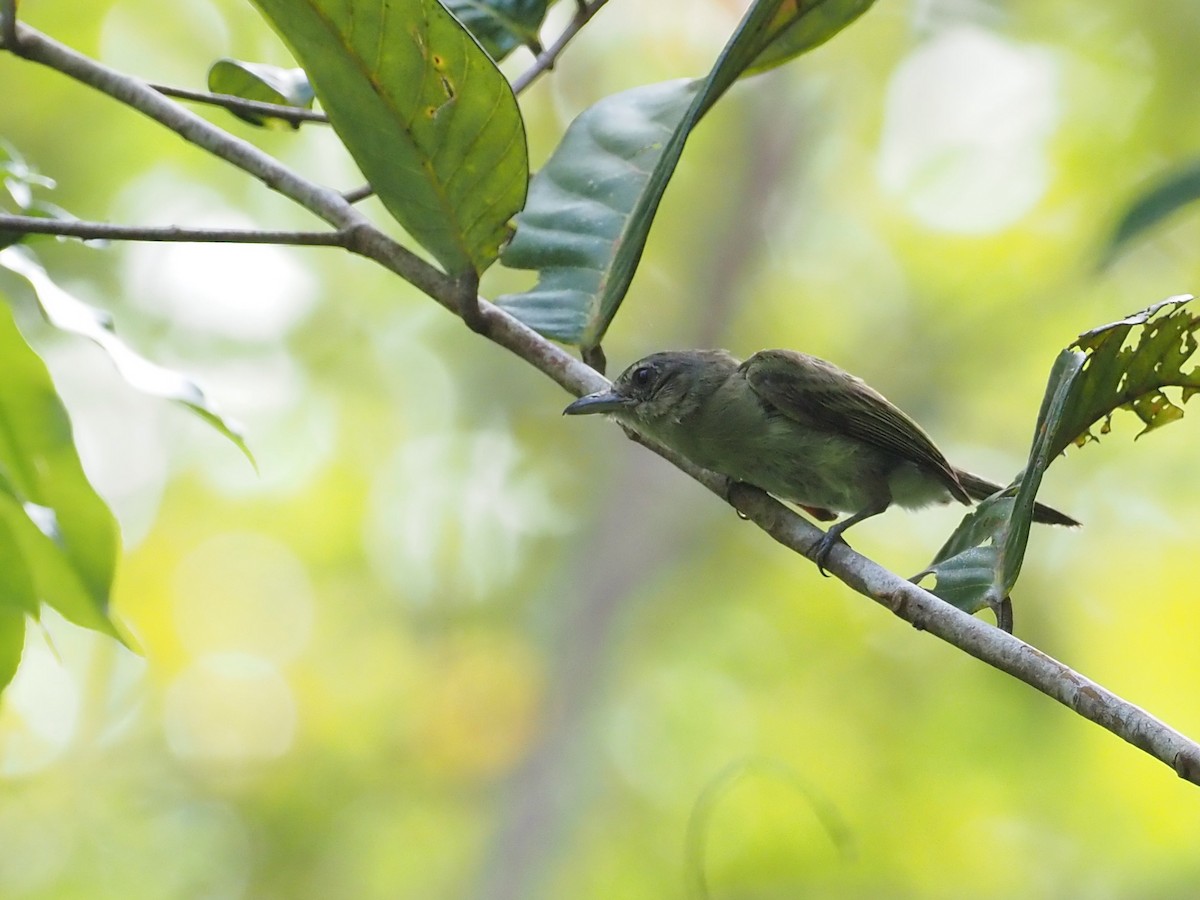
{"points": [[642, 377]]}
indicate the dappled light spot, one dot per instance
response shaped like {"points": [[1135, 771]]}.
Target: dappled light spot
{"points": [[969, 115], [230, 709], [246, 592], [452, 518]]}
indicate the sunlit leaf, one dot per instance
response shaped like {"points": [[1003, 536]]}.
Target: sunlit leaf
{"points": [[51, 517], [70, 314], [264, 83], [12, 641], [501, 25], [425, 113], [17, 587], [591, 206], [1176, 191]]}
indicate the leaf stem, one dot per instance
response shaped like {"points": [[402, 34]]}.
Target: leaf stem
{"points": [[94, 231], [293, 114], [546, 59]]}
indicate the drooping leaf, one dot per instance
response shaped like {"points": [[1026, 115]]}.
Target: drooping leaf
{"points": [[425, 113], [1174, 192], [264, 83], [70, 314], [1100, 372], [591, 206], [501, 26], [50, 516]]}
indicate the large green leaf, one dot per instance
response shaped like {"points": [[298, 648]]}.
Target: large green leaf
{"points": [[425, 113], [581, 205], [501, 25], [70, 314], [63, 533], [264, 83], [591, 206], [1100, 372], [1176, 191]]}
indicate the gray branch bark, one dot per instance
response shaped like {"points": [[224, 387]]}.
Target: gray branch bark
{"points": [[908, 601]]}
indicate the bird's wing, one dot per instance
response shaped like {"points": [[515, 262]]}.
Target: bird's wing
{"points": [[818, 394]]}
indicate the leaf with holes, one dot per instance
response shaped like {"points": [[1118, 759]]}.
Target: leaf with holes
{"points": [[1128, 364], [425, 113], [264, 83]]}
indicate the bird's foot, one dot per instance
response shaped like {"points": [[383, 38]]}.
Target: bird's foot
{"points": [[825, 547]]}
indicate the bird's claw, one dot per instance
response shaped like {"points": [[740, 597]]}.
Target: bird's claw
{"points": [[824, 548]]}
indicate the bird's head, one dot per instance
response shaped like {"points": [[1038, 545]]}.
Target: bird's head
{"points": [[661, 387]]}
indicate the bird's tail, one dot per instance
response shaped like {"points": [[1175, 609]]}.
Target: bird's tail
{"points": [[981, 488]]}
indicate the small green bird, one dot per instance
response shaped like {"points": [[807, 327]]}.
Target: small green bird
{"points": [[796, 426]]}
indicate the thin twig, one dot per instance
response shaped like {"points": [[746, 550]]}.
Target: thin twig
{"points": [[98, 231], [359, 193], [323, 201], [908, 601], [292, 114], [546, 59]]}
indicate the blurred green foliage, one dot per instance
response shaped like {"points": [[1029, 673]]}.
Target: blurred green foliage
{"points": [[448, 644]]}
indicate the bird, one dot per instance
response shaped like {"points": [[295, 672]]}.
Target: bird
{"points": [[796, 426]]}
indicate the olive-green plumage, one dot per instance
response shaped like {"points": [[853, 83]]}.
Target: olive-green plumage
{"points": [[794, 425]]}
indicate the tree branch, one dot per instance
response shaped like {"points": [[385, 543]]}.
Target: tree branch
{"points": [[908, 601], [324, 202], [546, 59], [293, 114], [98, 231]]}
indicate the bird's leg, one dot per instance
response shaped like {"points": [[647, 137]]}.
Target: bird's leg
{"points": [[834, 534]]}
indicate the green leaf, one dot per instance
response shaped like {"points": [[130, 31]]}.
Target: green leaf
{"points": [[591, 206], [1120, 375], [801, 25], [425, 113], [1164, 199], [50, 516], [582, 206], [70, 314], [17, 587], [264, 83], [12, 641], [501, 26], [1102, 371]]}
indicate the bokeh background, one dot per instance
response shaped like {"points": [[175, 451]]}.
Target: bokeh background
{"points": [[446, 643]]}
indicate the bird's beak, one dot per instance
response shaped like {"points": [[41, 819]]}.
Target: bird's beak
{"points": [[600, 402]]}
